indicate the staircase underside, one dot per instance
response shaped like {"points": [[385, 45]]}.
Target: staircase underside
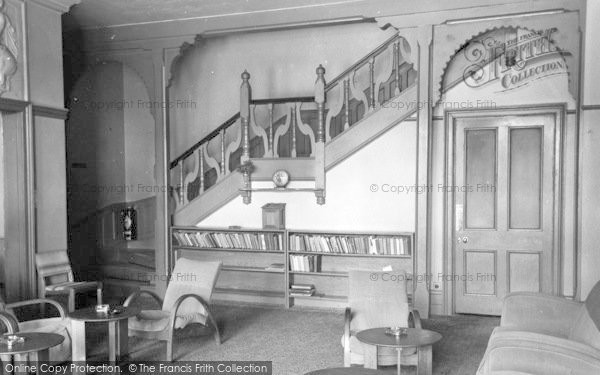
{"points": [[351, 141]]}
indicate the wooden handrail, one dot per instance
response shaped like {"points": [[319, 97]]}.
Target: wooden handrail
{"points": [[360, 62], [210, 136], [296, 99]]}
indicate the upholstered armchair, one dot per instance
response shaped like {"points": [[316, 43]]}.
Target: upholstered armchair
{"points": [[55, 278], [377, 299], [186, 301], [543, 334], [60, 324]]}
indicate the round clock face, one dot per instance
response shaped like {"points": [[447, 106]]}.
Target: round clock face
{"points": [[281, 178]]}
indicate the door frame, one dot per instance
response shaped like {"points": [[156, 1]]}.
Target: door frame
{"points": [[558, 110]]}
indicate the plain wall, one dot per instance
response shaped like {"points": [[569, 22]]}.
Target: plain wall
{"points": [[50, 174], [95, 141], [138, 132], [111, 132]]}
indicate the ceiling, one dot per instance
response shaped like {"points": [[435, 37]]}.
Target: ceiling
{"points": [[90, 14]]}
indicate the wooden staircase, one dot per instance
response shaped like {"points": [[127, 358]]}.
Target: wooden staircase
{"points": [[306, 136]]}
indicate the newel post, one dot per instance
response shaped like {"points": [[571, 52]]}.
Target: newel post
{"points": [[245, 97], [246, 166], [320, 141]]}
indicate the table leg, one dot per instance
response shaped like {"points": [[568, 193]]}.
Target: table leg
{"points": [[112, 342], [370, 356], [399, 361], [78, 340], [21, 359], [425, 360], [6, 360], [42, 356], [122, 339]]}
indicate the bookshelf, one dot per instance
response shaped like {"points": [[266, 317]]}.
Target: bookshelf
{"points": [[254, 260], [337, 252], [264, 265]]}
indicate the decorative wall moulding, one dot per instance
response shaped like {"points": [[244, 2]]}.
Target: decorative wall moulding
{"points": [[8, 50], [453, 40], [62, 6]]}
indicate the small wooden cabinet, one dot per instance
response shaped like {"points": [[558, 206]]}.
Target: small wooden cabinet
{"points": [[273, 216]]}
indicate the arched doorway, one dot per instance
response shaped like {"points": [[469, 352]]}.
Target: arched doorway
{"points": [[504, 98]]}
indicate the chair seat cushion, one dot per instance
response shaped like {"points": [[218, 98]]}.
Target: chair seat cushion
{"points": [[78, 285], [158, 320], [59, 353], [386, 356]]}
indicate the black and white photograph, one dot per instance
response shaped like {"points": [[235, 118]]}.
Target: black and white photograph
{"points": [[300, 187]]}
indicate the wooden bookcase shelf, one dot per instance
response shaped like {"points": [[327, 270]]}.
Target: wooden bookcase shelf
{"points": [[261, 265], [348, 255]]}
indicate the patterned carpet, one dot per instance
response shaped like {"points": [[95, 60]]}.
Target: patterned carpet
{"points": [[299, 341]]}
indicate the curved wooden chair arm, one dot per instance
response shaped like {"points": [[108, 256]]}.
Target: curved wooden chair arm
{"points": [[135, 295], [415, 318], [204, 304], [39, 301], [9, 322], [346, 338]]}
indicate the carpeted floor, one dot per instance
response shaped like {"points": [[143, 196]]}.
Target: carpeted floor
{"points": [[298, 341]]}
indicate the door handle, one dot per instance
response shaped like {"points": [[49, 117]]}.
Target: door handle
{"points": [[462, 239]]}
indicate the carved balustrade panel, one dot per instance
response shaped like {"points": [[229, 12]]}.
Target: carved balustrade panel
{"points": [[335, 105], [282, 113], [307, 122]]}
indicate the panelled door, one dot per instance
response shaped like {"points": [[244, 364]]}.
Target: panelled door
{"points": [[504, 217]]}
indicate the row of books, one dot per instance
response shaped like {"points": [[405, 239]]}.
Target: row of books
{"points": [[230, 240], [371, 245], [302, 290], [304, 263]]}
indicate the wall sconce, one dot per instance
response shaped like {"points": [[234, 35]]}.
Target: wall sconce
{"points": [[128, 216]]}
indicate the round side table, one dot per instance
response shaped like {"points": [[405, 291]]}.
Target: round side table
{"points": [[118, 337], [422, 339], [35, 346]]}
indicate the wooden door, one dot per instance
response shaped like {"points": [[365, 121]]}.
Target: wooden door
{"points": [[504, 218]]}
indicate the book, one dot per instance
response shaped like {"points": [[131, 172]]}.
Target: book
{"points": [[351, 244], [302, 286]]}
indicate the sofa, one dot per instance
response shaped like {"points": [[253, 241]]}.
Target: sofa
{"points": [[545, 335]]}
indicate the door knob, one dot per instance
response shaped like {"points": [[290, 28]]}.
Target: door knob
{"points": [[465, 239]]}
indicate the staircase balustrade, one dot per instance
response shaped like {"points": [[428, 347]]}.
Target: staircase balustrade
{"points": [[297, 127], [364, 87]]}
